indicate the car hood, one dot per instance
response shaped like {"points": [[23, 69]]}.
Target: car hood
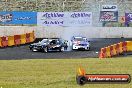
{"points": [[38, 44], [82, 42]]}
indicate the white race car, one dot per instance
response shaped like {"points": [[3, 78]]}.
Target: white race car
{"points": [[80, 43]]}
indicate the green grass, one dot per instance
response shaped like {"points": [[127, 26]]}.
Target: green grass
{"points": [[60, 73]]}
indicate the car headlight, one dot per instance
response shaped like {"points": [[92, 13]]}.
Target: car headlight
{"points": [[57, 45]]}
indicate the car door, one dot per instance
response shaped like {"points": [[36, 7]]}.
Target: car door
{"points": [[52, 44]]}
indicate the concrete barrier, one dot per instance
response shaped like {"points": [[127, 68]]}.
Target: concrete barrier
{"points": [[15, 30], [68, 32]]}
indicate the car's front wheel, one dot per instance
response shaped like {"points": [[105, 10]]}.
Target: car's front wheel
{"points": [[45, 49], [33, 49], [61, 49], [88, 48]]}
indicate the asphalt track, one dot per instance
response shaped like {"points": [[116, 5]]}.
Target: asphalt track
{"points": [[23, 52]]}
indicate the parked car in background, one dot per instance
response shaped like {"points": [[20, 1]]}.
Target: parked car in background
{"points": [[48, 44], [79, 42]]}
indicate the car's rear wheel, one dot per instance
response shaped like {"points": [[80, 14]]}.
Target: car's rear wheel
{"points": [[88, 48]]}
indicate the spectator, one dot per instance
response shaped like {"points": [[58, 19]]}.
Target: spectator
{"points": [[65, 45]]}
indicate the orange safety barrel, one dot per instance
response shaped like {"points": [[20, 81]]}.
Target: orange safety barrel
{"points": [[11, 41], [114, 49], [23, 38], [111, 51], [129, 45], [120, 47], [17, 39], [0, 42], [102, 53], [117, 48], [124, 46], [108, 51], [4, 41], [27, 37], [32, 37]]}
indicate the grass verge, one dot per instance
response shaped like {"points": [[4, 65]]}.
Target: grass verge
{"points": [[60, 73]]}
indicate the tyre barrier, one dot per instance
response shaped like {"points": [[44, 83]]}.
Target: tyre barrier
{"points": [[32, 37], [23, 39], [108, 52], [4, 41], [17, 39], [115, 49], [27, 37], [102, 53], [129, 46], [0, 42], [11, 41]]}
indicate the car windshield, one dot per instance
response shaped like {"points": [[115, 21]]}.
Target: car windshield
{"points": [[43, 41], [80, 39], [54, 42]]}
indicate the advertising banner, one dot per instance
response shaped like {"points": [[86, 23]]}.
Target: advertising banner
{"points": [[109, 16], [18, 17], [78, 19], [128, 17], [109, 8], [64, 18], [50, 18]]}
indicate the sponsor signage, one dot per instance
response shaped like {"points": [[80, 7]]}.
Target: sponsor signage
{"points": [[109, 13], [18, 17], [83, 78], [64, 18], [6, 17], [109, 8], [122, 19], [128, 17], [50, 18], [109, 16], [103, 78], [78, 19]]}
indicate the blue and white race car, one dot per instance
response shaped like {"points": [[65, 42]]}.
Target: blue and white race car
{"points": [[80, 43]]}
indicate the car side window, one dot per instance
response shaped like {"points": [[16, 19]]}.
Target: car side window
{"points": [[58, 42], [52, 42]]}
